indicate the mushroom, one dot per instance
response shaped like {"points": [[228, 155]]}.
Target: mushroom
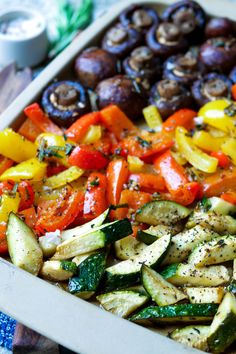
{"points": [[189, 16], [169, 96], [166, 39], [140, 17], [65, 101], [120, 40], [219, 54], [183, 68], [211, 87], [220, 27], [143, 66], [232, 75], [123, 92], [94, 65]]}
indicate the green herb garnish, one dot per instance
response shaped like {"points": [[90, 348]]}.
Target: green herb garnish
{"points": [[69, 21], [230, 110], [143, 143], [95, 182]]}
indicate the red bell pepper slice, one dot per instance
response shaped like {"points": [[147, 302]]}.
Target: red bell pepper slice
{"points": [[220, 182], [5, 163], [3, 239], [117, 122], [233, 90], [134, 200], [149, 182], [87, 158], [41, 120], [183, 117], [95, 202], [80, 127], [181, 190], [223, 160], [148, 145], [24, 189], [30, 130], [229, 197], [117, 176]]}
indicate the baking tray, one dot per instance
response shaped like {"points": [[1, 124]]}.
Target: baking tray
{"points": [[70, 321]]}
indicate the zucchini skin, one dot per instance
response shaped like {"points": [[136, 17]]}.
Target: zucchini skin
{"points": [[113, 233], [162, 212], [115, 279], [122, 303], [223, 328], [217, 250], [176, 313], [89, 274]]}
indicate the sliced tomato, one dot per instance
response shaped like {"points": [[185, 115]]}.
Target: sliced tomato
{"points": [[3, 238], [29, 217], [26, 195], [59, 213]]}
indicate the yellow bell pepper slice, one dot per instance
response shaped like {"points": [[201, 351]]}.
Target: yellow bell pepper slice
{"points": [[229, 149], [54, 141], [135, 164], [64, 177], [179, 158], [213, 113], [8, 204], [93, 134], [31, 169], [193, 155], [15, 146], [206, 141], [152, 117]]}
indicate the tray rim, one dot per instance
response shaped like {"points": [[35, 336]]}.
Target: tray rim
{"points": [[33, 285]]}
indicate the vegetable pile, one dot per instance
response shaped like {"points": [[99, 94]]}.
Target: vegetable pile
{"points": [[142, 219]]}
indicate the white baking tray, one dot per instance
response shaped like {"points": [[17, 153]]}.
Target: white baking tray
{"points": [[70, 321]]}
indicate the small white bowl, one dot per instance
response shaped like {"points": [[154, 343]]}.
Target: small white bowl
{"points": [[26, 46]]}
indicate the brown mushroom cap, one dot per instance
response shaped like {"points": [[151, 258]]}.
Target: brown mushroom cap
{"points": [[141, 18], [122, 91], [93, 65], [168, 88]]}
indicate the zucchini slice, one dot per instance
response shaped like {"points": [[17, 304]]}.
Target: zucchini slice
{"points": [[193, 336], [218, 250], [222, 224], [86, 228], [89, 275], [127, 273], [221, 206], [205, 295], [162, 292], [161, 212], [223, 328], [154, 232], [187, 274], [97, 238], [23, 246], [58, 270], [128, 247], [122, 303], [79, 259], [183, 243], [176, 313]]}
